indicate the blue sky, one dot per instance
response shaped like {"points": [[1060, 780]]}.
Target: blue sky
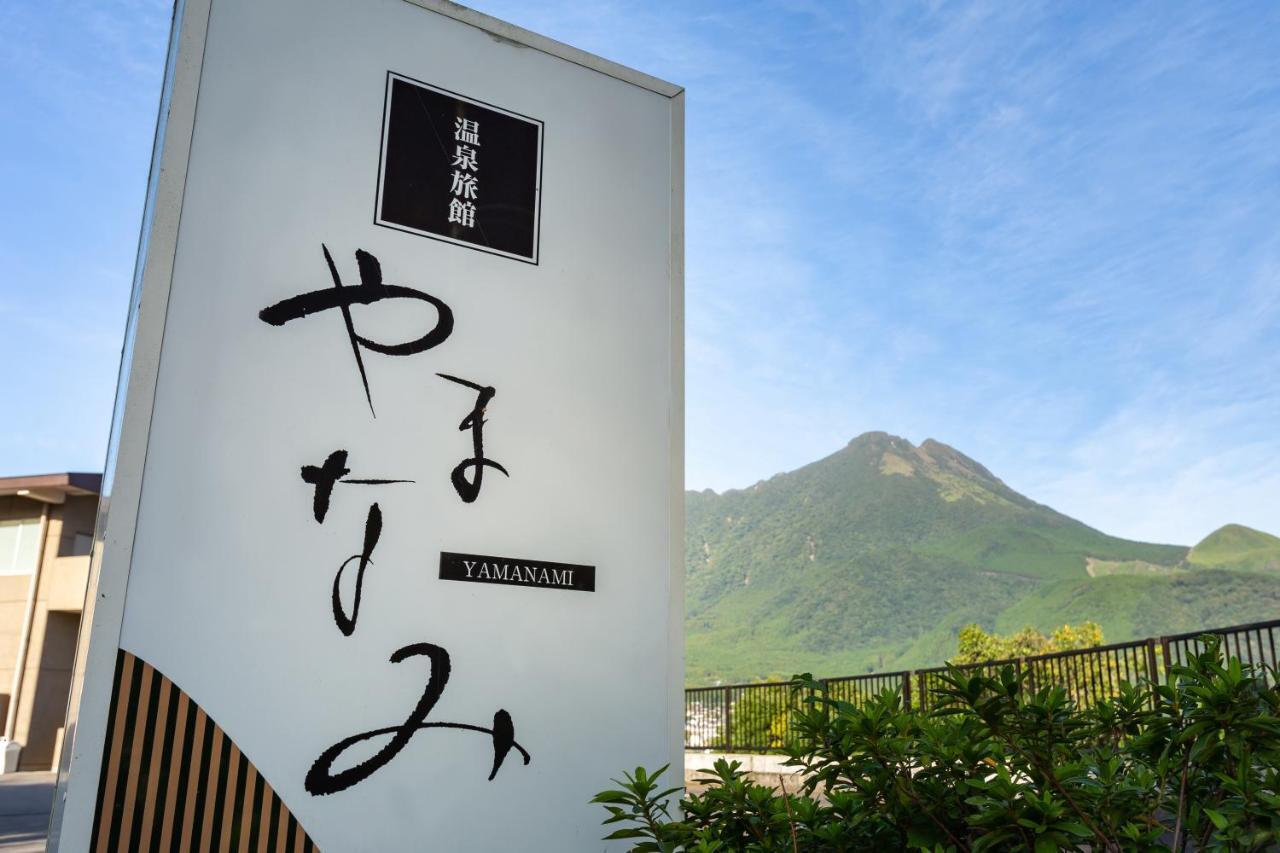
{"points": [[1046, 234]]}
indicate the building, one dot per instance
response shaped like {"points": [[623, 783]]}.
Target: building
{"points": [[46, 536]]}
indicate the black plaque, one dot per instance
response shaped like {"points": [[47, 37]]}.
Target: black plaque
{"points": [[456, 169], [512, 571]]}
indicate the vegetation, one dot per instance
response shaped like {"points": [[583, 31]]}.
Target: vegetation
{"points": [[1239, 548], [1131, 608], [1191, 764], [976, 645], [874, 558]]}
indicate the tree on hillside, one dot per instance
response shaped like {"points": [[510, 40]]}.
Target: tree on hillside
{"points": [[975, 645]]}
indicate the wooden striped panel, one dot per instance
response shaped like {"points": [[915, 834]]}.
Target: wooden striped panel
{"points": [[173, 781]]}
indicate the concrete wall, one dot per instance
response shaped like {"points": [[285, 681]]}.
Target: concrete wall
{"points": [[762, 769]]}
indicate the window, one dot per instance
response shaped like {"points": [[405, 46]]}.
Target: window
{"points": [[19, 546]]}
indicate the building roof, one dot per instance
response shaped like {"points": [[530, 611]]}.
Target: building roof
{"points": [[51, 488]]}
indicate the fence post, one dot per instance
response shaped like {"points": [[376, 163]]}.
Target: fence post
{"points": [[1017, 669], [1164, 648], [1153, 675], [906, 690], [728, 720], [924, 694], [826, 695]]}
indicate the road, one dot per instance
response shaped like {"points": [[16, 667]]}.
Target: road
{"points": [[25, 800]]}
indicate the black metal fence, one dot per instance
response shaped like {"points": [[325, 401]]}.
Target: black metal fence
{"points": [[757, 717]]}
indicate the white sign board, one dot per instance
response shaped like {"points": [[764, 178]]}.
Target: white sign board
{"points": [[393, 553]]}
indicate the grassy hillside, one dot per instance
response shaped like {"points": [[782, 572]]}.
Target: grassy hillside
{"points": [[872, 559], [1133, 607], [1239, 548]]}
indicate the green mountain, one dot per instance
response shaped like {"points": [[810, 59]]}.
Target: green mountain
{"points": [[1237, 547], [872, 559]]}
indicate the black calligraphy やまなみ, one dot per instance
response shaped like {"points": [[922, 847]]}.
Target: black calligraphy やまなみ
{"points": [[369, 291], [468, 488]]}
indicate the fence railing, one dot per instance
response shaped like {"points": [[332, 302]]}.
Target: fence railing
{"points": [[757, 717]]}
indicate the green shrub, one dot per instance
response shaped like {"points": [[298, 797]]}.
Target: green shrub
{"points": [[975, 645], [1191, 764]]}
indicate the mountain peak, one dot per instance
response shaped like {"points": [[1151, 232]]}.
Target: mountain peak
{"points": [[875, 438], [1237, 545], [956, 474]]}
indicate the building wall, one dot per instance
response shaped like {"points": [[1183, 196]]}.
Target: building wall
{"points": [[51, 651], [13, 601]]}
